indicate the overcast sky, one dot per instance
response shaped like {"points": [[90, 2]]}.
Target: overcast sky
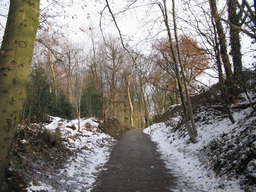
{"points": [[140, 25]]}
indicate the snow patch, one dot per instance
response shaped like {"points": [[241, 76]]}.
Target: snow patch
{"points": [[92, 150], [185, 160]]}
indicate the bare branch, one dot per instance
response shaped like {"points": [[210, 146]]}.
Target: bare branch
{"points": [[55, 53]]}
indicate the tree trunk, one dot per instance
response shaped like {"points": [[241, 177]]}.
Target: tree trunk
{"points": [[69, 74], [145, 105], [78, 95], [235, 38], [129, 95], [224, 94], [100, 93], [177, 73], [98, 81], [78, 111], [223, 48], [189, 106], [15, 63], [51, 65]]}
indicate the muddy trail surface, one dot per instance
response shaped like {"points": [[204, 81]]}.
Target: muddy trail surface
{"points": [[135, 166]]}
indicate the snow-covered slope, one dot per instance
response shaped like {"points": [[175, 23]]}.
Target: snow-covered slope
{"points": [[192, 162], [221, 146], [91, 148]]}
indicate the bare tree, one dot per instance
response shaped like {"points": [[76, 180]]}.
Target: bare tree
{"points": [[69, 60], [96, 70], [179, 71], [132, 57], [222, 52]]}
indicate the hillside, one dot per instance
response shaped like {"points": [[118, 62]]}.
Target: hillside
{"points": [[223, 157], [55, 156]]}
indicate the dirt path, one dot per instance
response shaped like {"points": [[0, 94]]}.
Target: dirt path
{"points": [[134, 166]]}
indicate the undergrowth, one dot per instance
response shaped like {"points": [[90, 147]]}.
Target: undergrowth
{"points": [[114, 128], [234, 154], [34, 150]]}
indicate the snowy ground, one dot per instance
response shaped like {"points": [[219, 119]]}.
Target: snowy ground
{"points": [[185, 159], [92, 149]]}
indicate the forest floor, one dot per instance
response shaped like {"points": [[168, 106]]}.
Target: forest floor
{"points": [[55, 156]]}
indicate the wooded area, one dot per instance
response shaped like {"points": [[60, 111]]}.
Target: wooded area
{"points": [[109, 78]]}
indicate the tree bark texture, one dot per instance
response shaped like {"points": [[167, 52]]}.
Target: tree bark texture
{"points": [[224, 94], [15, 63], [234, 19], [223, 45]]}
